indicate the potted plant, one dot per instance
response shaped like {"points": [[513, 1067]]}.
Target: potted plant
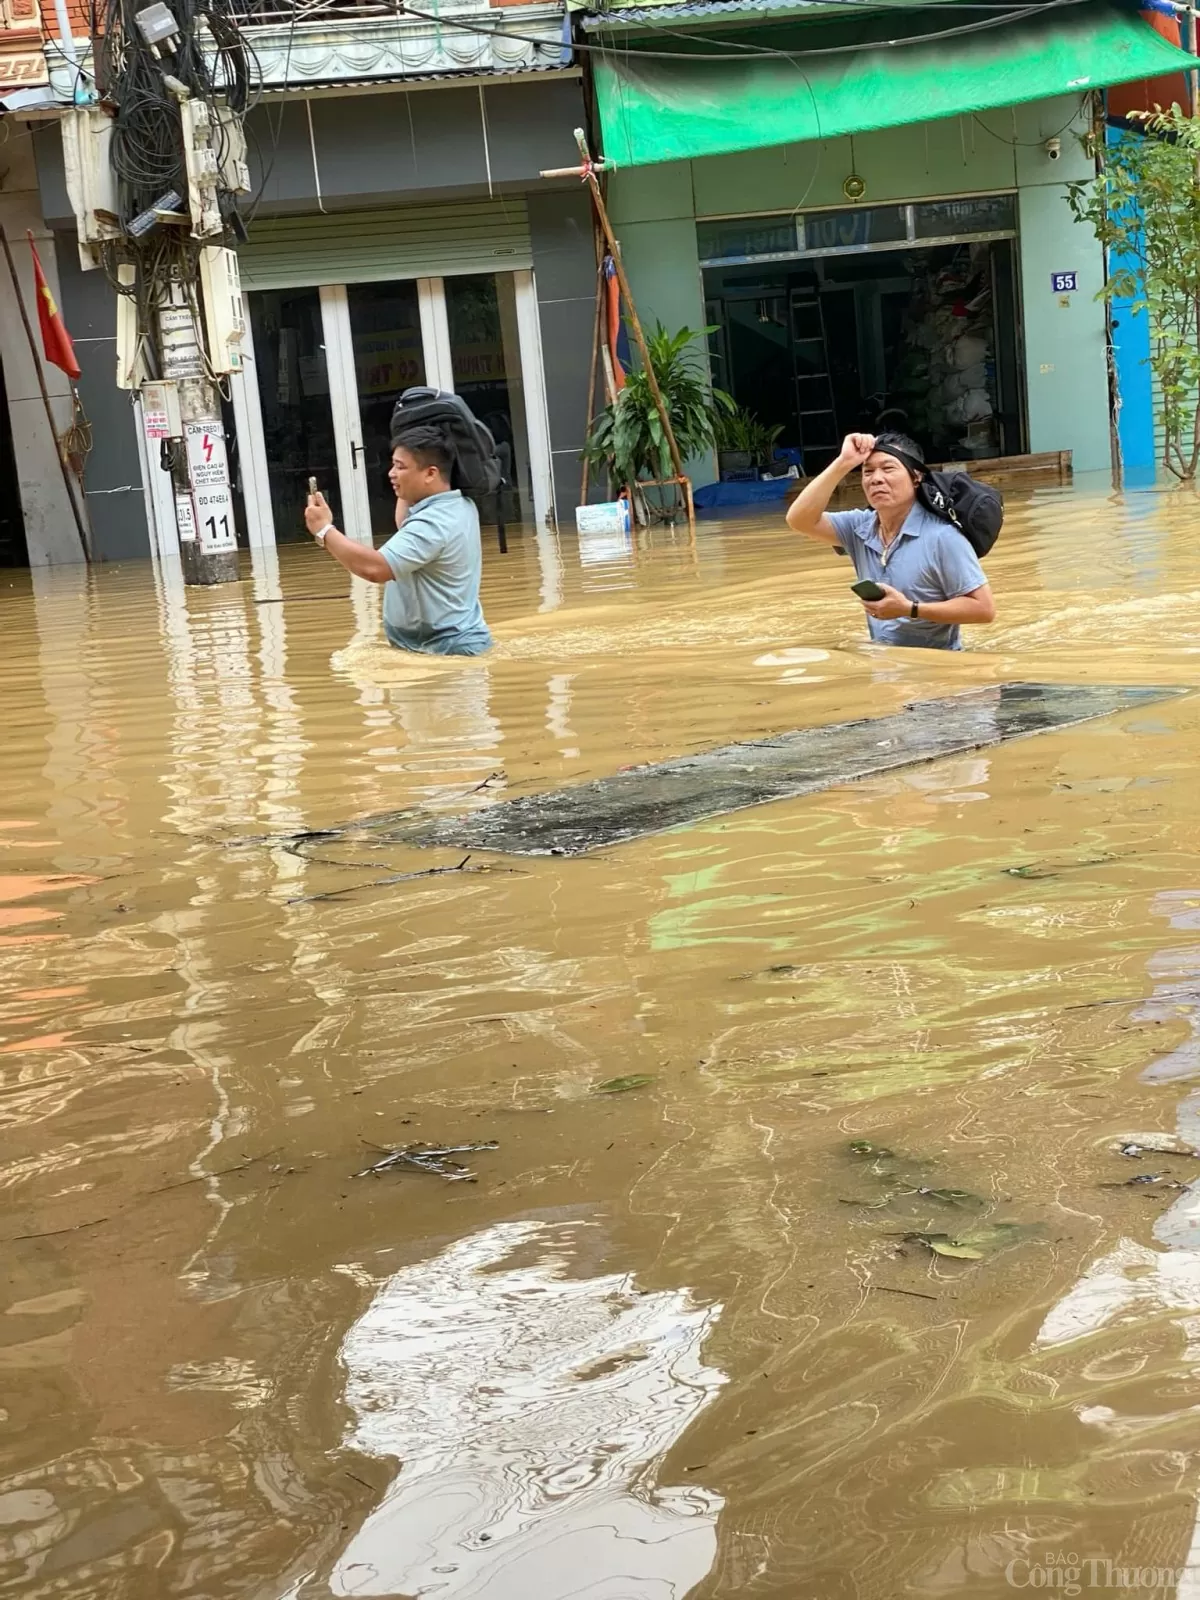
{"points": [[743, 442], [627, 437]]}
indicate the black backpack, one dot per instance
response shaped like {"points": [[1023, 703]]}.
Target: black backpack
{"points": [[477, 470], [975, 509]]}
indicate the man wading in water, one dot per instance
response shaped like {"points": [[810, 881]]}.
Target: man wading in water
{"points": [[431, 566], [931, 577]]}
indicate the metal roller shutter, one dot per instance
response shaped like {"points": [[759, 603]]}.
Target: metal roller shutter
{"points": [[377, 246]]}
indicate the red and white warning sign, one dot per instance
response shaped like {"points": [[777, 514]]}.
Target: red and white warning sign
{"points": [[213, 497], [207, 462]]}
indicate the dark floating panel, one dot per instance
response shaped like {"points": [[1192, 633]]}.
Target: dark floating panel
{"points": [[670, 794]]}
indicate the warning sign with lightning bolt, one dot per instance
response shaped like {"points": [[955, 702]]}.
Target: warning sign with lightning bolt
{"points": [[206, 454]]}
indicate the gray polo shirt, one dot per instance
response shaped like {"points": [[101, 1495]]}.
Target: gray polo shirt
{"points": [[432, 603], [928, 560]]}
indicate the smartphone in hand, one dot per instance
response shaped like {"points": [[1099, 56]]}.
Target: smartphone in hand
{"points": [[868, 589], [312, 486]]}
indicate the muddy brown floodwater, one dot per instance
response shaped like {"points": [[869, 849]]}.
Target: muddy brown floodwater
{"points": [[680, 1336]]}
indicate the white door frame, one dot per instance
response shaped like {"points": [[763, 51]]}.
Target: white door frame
{"points": [[435, 333], [537, 418], [252, 447], [343, 401]]}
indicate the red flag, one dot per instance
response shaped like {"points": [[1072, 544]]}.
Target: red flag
{"points": [[56, 341]]}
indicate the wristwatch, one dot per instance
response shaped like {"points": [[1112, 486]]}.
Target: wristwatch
{"points": [[914, 610]]}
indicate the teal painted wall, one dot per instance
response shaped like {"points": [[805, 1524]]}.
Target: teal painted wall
{"points": [[654, 211]]}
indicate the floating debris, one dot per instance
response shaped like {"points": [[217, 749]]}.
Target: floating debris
{"points": [[634, 1080], [974, 1244], [650, 799], [864, 1147], [1162, 1179], [1052, 869], [954, 1197], [434, 1158], [1161, 1144]]}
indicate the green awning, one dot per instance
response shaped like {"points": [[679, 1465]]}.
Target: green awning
{"points": [[653, 110]]}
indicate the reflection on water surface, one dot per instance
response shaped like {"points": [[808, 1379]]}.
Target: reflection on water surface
{"points": [[677, 1337]]}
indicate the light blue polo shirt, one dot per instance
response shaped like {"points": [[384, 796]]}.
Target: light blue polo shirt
{"points": [[928, 560], [432, 604]]}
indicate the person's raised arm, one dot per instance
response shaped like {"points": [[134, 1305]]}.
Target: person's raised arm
{"points": [[361, 559], [806, 514]]}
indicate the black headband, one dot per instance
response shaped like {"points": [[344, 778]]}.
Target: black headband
{"points": [[906, 458]]}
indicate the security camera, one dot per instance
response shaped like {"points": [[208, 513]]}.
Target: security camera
{"points": [[1053, 149]]}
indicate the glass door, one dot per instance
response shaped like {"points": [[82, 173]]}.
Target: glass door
{"points": [[329, 363], [485, 359], [389, 357], [294, 398]]}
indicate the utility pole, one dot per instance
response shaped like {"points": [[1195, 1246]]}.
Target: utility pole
{"points": [[154, 169]]}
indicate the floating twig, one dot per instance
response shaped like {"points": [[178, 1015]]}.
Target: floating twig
{"points": [[53, 1233], [915, 1294], [434, 1158], [405, 877]]}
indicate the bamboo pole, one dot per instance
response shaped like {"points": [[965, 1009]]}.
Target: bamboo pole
{"points": [[587, 171], [41, 378]]}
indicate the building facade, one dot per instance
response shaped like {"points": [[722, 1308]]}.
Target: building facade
{"points": [[36, 520], [399, 233], [862, 266], [876, 233]]}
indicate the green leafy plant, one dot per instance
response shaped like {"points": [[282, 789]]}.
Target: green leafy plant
{"points": [[627, 436], [1144, 207], [740, 429]]}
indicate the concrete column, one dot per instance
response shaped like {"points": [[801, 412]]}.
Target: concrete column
{"points": [[564, 268]]}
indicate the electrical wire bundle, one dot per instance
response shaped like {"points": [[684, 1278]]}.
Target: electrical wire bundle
{"points": [[132, 77], [142, 83]]}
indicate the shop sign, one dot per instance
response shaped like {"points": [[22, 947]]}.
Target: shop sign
{"points": [[387, 363]]}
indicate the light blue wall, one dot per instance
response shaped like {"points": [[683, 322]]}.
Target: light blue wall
{"points": [[654, 208]]}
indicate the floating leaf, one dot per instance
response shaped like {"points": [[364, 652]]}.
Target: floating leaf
{"points": [[635, 1080], [973, 1244], [943, 1245]]}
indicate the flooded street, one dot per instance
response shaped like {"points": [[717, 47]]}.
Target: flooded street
{"points": [[679, 1337]]}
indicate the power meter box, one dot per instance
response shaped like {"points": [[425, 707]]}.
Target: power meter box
{"points": [[221, 295]]}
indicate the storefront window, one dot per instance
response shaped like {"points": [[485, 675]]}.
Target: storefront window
{"points": [[737, 241], [854, 230], [748, 239], [949, 219]]}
